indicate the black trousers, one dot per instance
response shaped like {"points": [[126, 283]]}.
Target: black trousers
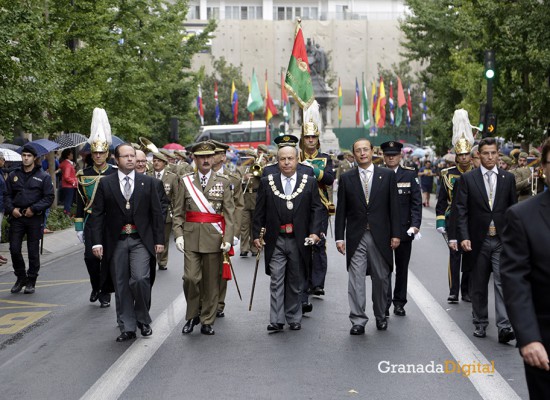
{"points": [[319, 257], [93, 264], [455, 283], [32, 227], [538, 383], [402, 258]]}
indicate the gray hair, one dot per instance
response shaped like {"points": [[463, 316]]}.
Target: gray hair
{"points": [[295, 148]]}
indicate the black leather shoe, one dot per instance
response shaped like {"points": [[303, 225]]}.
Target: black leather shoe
{"points": [[94, 296], [254, 254], [220, 314], [480, 332], [104, 303], [307, 307], [207, 330], [29, 286], [125, 336], [318, 291], [190, 324], [275, 327], [357, 330], [452, 299], [244, 253], [295, 326], [382, 324], [162, 268], [145, 329], [16, 288], [505, 335], [466, 297], [399, 310]]}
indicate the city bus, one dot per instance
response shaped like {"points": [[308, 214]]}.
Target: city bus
{"points": [[243, 135]]}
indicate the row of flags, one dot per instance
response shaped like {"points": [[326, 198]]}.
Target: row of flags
{"points": [[297, 82]]}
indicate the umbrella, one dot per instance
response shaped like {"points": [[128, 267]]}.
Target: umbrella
{"points": [[10, 155], [41, 146], [115, 142], [67, 140], [173, 146], [407, 150], [418, 152], [10, 146]]}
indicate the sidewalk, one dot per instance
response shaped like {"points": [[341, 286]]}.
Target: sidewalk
{"points": [[56, 245]]}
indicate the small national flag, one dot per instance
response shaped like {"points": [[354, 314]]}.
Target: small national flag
{"points": [[392, 106], [255, 101], [365, 109], [409, 107], [217, 103], [400, 102], [357, 104], [424, 106], [285, 101], [270, 109], [200, 108], [381, 105], [340, 103], [234, 103], [298, 78], [374, 101]]}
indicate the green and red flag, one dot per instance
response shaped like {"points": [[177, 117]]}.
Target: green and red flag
{"points": [[340, 103], [400, 102], [298, 78]]}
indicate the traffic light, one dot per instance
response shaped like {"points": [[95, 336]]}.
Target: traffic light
{"points": [[489, 64], [491, 124]]}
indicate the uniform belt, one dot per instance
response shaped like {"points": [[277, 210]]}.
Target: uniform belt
{"points": [[492, 231], [128, 229], [286, 228]]}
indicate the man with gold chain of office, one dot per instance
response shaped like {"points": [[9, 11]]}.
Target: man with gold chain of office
{"points": [[88, 180], [462, 141], [324, 173]]}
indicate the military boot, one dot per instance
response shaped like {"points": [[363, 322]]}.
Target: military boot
{"points": [[21, 281], [29, 287]]}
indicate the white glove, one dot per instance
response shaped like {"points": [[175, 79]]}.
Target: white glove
{"points": [[179, 244], [417, 236], [441, 230], [410, 231], [80, 236], [309, 242], [235, 241], [225, 247]]}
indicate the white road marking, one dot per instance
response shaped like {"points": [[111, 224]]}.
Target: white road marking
{"points": [[119, 376], [461, 347]]}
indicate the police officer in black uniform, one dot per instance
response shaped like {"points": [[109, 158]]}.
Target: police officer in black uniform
{"points": [[29, 194], [410, 207]]}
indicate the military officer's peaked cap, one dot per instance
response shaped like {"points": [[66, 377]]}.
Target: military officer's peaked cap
{"points": [[220, 147], [160, 156], [391, 147], [166, 152], [286, 140], [263, 147], [203, 149]]}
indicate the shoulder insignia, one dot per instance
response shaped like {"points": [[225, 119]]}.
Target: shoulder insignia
{"points": [[408, 168], [80, 172]]}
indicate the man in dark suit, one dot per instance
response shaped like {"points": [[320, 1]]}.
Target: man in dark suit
{"points": [[368, 215], [289, 208], [525, 272], [410, 211], [133, 235], [483, 196]]}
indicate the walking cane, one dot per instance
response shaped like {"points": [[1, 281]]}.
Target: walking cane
{"points": [[227, 259], [262, 232]]}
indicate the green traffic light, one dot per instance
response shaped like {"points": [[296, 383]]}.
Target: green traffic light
{"points": [[490, 74]]}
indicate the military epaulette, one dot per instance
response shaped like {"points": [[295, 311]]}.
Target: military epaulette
{"points": [[445, 171], [80, 172], [306, 164], [186, 174], [234, 175], [408, 168], [169, 172], [222, 177]]}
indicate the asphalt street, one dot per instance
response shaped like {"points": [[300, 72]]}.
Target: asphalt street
{"points": [[56, 344]]}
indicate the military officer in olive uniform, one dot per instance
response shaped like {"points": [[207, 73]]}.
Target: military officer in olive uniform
{"points": [[171, 184], [523, 177], [203, 226], [218, 166], [88, 180], [410, 212], [179, 168], [346, 164], [463, 141]]}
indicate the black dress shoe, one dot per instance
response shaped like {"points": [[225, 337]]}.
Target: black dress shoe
{"points": [[399, 310], [480, 332], [207, 330], [244, 253], [162, 268], [307, 307], [19, 284], [505, 335], [295, 326], [220, 314], [357, 330], [145, 329], [452, 299], [254, 254], [104, 304], [382, 324], [466, 297], [125, 336], [275, 327], [94, 296], [190, 324], [29, 286], [318, 291]]}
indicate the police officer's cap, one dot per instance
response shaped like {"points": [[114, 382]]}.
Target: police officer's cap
{"points": [[29, 149], [391, 148], [286, 140], [203, 149]]}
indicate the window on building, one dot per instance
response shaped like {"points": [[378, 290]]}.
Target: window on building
{"points": [[297, 12], [259, 12], [289, 13], [212, 12], [194, 12]]}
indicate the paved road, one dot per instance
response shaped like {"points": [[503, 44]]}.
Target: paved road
{"points": [[55, 344]]}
